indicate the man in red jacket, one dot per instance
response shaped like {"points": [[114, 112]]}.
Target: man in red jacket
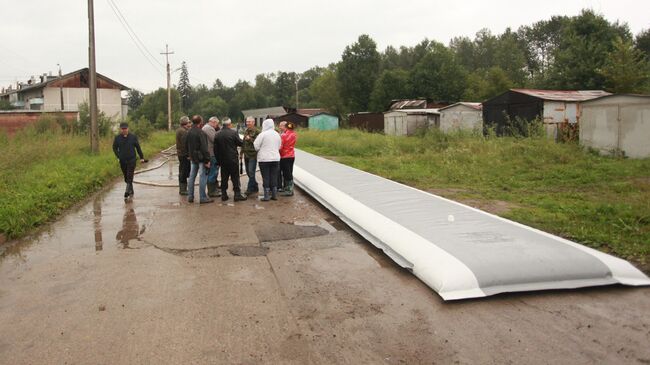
{"points": [[287, 156]]}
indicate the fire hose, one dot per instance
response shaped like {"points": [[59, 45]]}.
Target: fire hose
{"points": [[167, 153]]}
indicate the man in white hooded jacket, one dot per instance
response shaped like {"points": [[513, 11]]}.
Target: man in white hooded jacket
{"points": [[267, 144]]}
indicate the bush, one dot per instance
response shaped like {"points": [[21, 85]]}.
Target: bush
{"points": [[67, 126], [161, 120], [519, 127], [47, 123], [104, 123], [141, 127]]}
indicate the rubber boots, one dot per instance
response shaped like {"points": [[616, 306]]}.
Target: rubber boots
{"points": [[182, 188], [213, 191], [288, 191], [266, 197], [129, 187], [274, 194]]}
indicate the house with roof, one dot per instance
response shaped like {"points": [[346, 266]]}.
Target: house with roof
{"points": [[299, 117], [421, 103], [617, 124], [261, 114], [367, 121], [461, 116], [408, 122], [323, 121], [553, 107], [65, 93]]}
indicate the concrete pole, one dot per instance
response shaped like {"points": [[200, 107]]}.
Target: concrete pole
{"points": [[169, 88], [297, 95], [92, 80], [61, 87]]}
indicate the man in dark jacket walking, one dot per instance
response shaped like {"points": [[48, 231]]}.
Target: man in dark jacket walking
{"points": [[181, 152], [225, 144], [197, 150], [125, 146]]}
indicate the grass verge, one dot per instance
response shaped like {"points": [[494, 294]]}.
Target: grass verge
{"points": [[43, 174], [601, 202]]}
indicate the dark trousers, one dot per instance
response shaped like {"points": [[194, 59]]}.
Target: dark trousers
{"points": [[184, 167], [251, 168], [286, 169], [230, 169], [128, 169], [269, 172]]}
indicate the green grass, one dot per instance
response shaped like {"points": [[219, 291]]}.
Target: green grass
{"points": [[602, 202], [43, 174]]}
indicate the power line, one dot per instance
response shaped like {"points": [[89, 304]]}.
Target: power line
{"points": [[133, 39], [14, 53], [135, 34]]}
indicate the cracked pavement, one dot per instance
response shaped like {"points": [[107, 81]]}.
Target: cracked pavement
{"points": [[158, 280]]}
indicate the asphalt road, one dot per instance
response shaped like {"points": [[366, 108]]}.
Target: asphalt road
{"points": [[158, 280]]}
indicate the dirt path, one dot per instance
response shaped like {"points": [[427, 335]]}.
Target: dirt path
{"points": [[162, 281]]}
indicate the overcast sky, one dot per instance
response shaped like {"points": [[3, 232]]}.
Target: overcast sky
{"points": [[234, 40]]}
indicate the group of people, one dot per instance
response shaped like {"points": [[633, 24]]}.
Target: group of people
{"points": [[205, 148]]}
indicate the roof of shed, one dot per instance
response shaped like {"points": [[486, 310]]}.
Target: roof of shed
{"points": [[415, 111], [476, 106], [310, 111], [641, 96], [41, 85], [274, 110], [563, 95], [324, 113]]}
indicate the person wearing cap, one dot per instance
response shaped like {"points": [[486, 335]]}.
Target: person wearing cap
{"points": [[210, 130], [226, 143], [125, 146], [250, 155], [181, 152], [267, 144], [197, 150], [287, 156]]}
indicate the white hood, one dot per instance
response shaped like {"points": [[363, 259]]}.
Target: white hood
{"points": [[267, 144], [268, 124]]}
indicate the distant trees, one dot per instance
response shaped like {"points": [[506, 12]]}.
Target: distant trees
{"points": [[154, 108], [584, 45], [184, 87], [391, 84], [357, 72], [325, 92], [579, 52], [626, 69], [642, 42], [134, 99], [210, 106], [438, 75]]}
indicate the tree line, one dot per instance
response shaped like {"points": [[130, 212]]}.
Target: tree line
{"points": [[585, 52]]}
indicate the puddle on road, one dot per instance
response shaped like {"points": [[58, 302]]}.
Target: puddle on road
{"points": [[222, 251], [105, 222], [284, 231]]}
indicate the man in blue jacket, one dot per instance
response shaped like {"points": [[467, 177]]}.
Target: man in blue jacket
{"points": [[125, 146]]}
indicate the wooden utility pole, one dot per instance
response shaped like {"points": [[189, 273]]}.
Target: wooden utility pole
{"points": [[296, 94], [92, 80], [169, 88], [61, 87]]}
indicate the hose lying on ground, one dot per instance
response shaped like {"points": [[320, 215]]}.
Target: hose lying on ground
{"points": [[167, 153]]}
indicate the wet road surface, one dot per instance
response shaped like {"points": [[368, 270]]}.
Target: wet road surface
{"points": [[158, 280]]}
